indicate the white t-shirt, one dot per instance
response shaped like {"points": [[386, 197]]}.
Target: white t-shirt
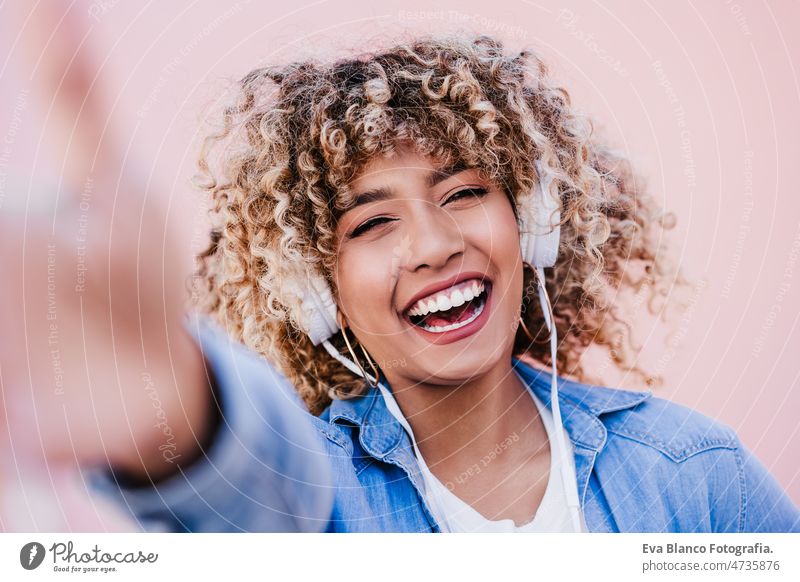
{"points": [[454, 515]]}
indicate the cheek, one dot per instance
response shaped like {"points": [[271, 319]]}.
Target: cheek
{"points": [[508, 236], [495, 230], [497, 236], [363, 278]]}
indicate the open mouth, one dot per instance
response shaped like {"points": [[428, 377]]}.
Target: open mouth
{"points": [[452, 308]]}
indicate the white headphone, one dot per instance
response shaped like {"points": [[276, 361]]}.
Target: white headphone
{"points": [[539, 216]]}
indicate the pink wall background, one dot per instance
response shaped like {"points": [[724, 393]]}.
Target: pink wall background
{"points": [[703, 97]]}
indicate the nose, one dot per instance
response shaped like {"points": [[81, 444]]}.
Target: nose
{"points": [[433, 239]]}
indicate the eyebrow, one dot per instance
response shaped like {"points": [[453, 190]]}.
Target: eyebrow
{"points": [[440, 175], [434, 178]]}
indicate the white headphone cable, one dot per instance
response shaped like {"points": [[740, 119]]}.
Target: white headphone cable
{"points": [[570, 487]]}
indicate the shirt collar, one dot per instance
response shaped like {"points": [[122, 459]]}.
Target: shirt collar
{"points": [[581, 406], [379, 431]]}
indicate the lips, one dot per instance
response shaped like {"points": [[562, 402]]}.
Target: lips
{"points": [[452, 309], [447, 299], [448, 317], [468, 323], [441, 286]]}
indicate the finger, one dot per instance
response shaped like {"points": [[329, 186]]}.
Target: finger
{"points": [[58, 47]]}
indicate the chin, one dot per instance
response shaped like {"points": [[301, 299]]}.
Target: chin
{"points": [[463, 366]]}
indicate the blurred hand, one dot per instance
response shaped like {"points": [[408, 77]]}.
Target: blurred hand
{"points": [[93, 352], [94, 363]]}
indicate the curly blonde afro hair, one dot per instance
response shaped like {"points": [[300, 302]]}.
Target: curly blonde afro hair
{"points": [[278, 167]]}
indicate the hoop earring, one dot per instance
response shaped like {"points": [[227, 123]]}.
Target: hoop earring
{"points": [[371, 363], [364, 375], [525, 329], [538, 282]]}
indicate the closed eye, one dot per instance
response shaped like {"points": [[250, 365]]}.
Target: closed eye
{"points": [[369, 225], [378, 220], [468, 193]]}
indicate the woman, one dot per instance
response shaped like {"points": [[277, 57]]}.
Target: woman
{"points": [[383, 226]]}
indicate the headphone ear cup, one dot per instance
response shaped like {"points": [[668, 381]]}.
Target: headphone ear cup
{"points": [[318, 318], [539, 217]]}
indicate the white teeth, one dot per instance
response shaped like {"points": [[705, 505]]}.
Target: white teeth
{"points": [[453, 297], [452, 326]]}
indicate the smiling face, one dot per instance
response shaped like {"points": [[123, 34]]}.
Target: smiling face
{"points": [[429, 272]]}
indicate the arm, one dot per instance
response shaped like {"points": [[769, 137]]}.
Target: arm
{"points": [[265, 469], [97, 366]]}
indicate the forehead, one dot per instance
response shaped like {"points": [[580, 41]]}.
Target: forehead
{"points": [[405, 161], [406, 164]]}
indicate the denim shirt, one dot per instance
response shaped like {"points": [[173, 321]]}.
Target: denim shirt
{"points": [[642, 464]]}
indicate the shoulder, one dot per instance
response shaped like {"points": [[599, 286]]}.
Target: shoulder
{"points": [[665, 467], [674, 430], [639, 418], [692, 472]]}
